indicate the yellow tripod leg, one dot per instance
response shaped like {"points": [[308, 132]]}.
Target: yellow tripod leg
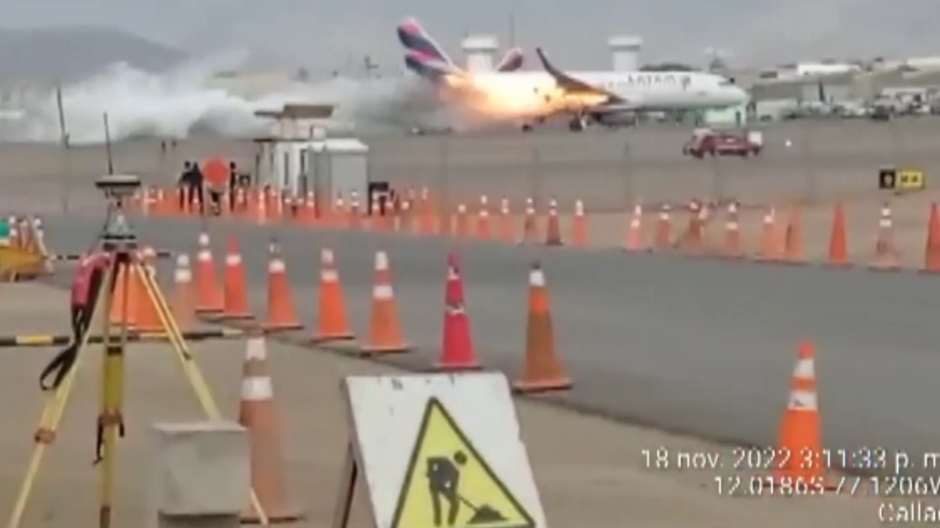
{"points": [[52, 414], [112, 397], [193, 374]]}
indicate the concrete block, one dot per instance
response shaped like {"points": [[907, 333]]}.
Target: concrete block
{"points": [[200, 469]]}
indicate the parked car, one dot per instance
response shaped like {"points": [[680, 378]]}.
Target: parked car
{"points": [[713, 143]]}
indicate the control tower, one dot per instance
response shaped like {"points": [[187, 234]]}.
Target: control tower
{"points": [[625, 52], [480, 51]]}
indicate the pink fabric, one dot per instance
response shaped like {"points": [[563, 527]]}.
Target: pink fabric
{"points": [[82, 282]]}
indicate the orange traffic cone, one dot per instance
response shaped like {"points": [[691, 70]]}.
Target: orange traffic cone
{"points": [[484, 232], [693, 240], [663, 239], [530, 224], [932, 249], [183, 295], [732, 244], [384, 330], [543, 370], [209, 297], [553, 229], [769, 245], [461, 222], [801, 428], [331, 308], [886, 254], [281, 312], [457, 347], [838, 245], [579, 227], [634, 241], [506, 232], [235, 289], [258, 414]]}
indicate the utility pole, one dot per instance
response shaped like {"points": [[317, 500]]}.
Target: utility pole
{"points": [[369, 66]]}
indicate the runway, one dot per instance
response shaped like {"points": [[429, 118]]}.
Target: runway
{"points": [[698, 346]]}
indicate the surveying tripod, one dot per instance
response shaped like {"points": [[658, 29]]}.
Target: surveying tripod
{"points": [[120, 243]]}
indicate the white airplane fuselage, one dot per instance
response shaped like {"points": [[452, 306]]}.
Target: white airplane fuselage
{"points": [[535, 94]]}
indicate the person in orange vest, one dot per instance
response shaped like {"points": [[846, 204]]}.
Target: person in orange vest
{"points": [[85, 290]]}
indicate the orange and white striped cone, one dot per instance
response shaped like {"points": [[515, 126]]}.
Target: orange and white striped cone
{"points": [[209, 295], [282, 315], [235, 285], [184, 298], [258, 414], [579, 227], [634, 241], [732, 245], [663, 238], [332, 324], [506, 232], [385, 334], [484, 232]]}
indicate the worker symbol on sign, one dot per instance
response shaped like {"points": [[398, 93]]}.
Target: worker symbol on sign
{"points": [[448, 484]]}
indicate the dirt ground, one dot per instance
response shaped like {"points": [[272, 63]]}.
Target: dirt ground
{"points": [[590, 472]]}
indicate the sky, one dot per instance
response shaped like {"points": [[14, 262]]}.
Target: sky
{"points": [[331, 34]]}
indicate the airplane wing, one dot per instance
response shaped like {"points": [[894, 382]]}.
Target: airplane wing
{"points": [[609, 101]]}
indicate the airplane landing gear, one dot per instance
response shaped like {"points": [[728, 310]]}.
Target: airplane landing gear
{"points": [[577, 124], [527, 128]]}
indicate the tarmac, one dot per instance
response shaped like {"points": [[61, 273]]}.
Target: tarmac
{"points": [[700, 347]]}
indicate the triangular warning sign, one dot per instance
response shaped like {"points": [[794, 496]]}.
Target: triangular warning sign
{"points": [[448, 483]]}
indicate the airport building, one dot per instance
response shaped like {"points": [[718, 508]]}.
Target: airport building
{"points": [[480, 52], [625, 52]]}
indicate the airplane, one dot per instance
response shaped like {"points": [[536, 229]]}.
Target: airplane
{"points": [[531, 97]]}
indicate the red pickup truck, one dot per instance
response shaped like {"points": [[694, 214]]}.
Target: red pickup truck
{"points": [[709, 142]]}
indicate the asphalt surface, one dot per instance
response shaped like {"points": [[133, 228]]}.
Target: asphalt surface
{"points": [[701, 347]]}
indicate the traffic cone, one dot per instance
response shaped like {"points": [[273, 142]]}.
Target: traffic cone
{"points": [[543, 370], [634, 241], [553, 229], [183, 295], [281, 312], [530, 224], [148, 320], [886, 254], [579, 227], [663, 239], [235, 285], [769, 246], [331, 308], [838, 245], [384, 330], [209, 296], [932, 249], [732, 244], [506, 232], [801, 427], [693, 241], [258, 414], [793, 239], [457, 346], [484, 231]]}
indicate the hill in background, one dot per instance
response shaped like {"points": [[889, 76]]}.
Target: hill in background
{"points": [[71, 53]]}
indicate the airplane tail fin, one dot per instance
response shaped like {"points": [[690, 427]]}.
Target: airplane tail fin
{"points": [[511, 61], [413, 37], [428, 67]]}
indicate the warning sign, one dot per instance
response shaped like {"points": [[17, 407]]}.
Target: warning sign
{"points": [[448, 483], [438, 451]]}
